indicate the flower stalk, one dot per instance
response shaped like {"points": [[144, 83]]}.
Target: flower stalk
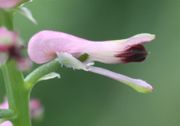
{"points": [[17, 94], [41, 71]]}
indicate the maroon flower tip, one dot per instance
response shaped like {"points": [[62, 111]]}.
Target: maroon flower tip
{"points": [[135, 53], [15, 52]]}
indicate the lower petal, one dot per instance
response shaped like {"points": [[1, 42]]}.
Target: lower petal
{"points": [[137, 84]]}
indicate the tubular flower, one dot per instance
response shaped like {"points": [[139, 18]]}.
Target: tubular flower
{"points": [[11, 48], [6, 4], [47, 45], [36, 110]]}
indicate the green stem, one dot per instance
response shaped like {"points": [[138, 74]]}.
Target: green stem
{"points": [[18, 96], [41, 71]]}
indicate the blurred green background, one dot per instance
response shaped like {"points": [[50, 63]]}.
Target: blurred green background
{"points": [[86, 99]]}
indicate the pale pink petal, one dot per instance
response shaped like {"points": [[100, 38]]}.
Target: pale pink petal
{"points": [[137, 84], [70, 62], [7, 38], [120, 51], [24, 64], [6, 4], [4, 105], [140, 38], [6, 123], [43, 46]]}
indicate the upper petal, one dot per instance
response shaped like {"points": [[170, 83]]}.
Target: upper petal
{"points": [[120, 51]]}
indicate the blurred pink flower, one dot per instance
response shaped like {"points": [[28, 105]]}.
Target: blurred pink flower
{"points": [[47, 45], [6, 123], [6, 4], [11, 47], [36, 110], [4, 105]]}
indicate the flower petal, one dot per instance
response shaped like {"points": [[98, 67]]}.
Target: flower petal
{"points": [[7, 38], [6, 4], [120, 51], [43, 46], [6, 123], [71, 62], [24, 64], [4, 105], [137, 84], [141, 38]]}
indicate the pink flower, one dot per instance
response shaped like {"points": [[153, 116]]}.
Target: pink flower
{"points": [[44, 45], [6, 123], [11, 48], [6, 4], [47, 45], [36, 110], [4, 105], [7, 39]]}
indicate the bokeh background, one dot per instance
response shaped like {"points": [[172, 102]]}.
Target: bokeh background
{"points": [[86, 99]]}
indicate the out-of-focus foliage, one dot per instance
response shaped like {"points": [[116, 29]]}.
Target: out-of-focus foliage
{"points": [[84, 99]]}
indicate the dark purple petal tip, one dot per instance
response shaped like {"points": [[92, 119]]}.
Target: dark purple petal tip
{"points": [[135, 53]]}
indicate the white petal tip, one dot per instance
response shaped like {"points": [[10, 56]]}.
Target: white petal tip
{"points": [[149, 37], [141, 86], [141, 38], [145, 36]]}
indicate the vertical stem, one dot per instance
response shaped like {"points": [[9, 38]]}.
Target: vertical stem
{"points": [[18, 96]]}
